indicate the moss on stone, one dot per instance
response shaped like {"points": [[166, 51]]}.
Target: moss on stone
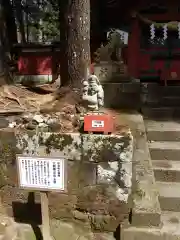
{"points": [[100, 146], [58, 141]]}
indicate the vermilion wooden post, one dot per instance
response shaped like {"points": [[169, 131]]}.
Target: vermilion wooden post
{"points": [[134, 49]]}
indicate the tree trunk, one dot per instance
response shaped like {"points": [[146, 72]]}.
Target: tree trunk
{"points": [[20, 20], [4, 47], [10, 21], [78, 41]]}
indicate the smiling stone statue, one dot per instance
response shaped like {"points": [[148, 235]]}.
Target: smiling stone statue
{"points": [[93, 94]]}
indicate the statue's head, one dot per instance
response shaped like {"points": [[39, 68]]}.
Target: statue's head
{"points": [[93, 82], [93, 78], [85, 83], [115, 36], [85, 86]]}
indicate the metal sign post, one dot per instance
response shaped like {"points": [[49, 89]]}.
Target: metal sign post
{"points": [[42, 174]]}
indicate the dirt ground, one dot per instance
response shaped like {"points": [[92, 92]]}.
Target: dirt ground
{"points": [[46, 100]]}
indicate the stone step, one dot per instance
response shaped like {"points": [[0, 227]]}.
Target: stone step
{"points": [[169, 230], [120, 95], [127, 87], [161, 101], [146, 208], [160, 112], [165, 150], [170, 90], [171, 219], [170, 101], [166, 171], [162, 130], [169, 196], [156, 89]]}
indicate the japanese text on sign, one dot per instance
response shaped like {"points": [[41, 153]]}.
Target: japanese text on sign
{"points": [[42, 173], [97, 123]]}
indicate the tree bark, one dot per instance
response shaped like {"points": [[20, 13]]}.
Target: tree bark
{"points": [[20, 20], [77, 48], [4, 47], [10, 21]]}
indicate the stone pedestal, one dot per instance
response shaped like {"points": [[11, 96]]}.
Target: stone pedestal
{"points": [[99, 175], [111, 72]]}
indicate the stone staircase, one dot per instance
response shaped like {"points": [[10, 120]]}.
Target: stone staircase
{"points": [[164, 148], [162, 122], [161, 112], [160, 102]]}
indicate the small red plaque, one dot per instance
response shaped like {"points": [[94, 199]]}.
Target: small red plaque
{"points": [[99, 123]]}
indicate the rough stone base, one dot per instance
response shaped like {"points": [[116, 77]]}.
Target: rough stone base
{"points": [[146, 208], [99, 176], [122, 95], [151, 233], [9, 230]]}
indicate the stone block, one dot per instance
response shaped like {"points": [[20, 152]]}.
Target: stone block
{"points": [[105, 71], [63, 230], [99, 176], [120, 95], [146, 208]]}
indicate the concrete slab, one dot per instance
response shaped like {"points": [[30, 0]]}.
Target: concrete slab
{"points": [[170, 90], [169, 230], [164, 145], [166, 171], [157, 112], [146, 209], [170, 101], [165, 150], [161, 112], [162, 130], [167, 189], [171, 220], [163, 135], [120, 95], [156, 89], [167, 126], [159, 100], [169, 196], [166, 165]]}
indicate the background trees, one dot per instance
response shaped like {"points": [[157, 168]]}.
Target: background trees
{"points": [[42, 21]]}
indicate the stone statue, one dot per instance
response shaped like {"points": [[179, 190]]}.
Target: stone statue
{"points": [[112, 51], [93, 94]]}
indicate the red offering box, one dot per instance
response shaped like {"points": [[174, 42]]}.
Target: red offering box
{"points": [[99, 123]]}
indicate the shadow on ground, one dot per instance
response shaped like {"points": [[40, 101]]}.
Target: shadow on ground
{"points": [[29, 213]]}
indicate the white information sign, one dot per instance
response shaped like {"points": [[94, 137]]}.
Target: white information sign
{"points": [[42, 173], [97, 123]]}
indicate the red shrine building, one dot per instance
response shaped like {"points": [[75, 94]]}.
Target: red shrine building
{"points": [[153, 51]]}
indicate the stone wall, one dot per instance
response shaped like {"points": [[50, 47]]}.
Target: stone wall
{"points": [[99, 175], [111, 72], [120, 90], [122, 95]]}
